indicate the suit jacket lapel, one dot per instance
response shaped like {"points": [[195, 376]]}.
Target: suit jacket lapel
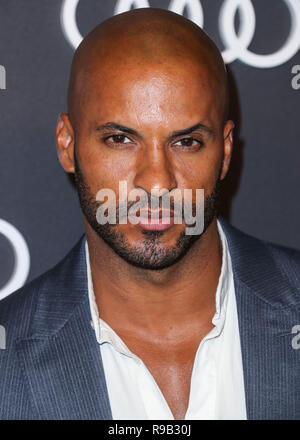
{"points": [[268, 307], [61, 357]]}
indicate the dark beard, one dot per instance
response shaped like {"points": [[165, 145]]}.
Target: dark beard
{"points": [[151, 254]]}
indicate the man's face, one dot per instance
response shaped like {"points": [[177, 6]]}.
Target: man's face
{"points": [[152, 104]]}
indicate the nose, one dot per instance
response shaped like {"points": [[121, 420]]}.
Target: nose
{"points": [[155, 172]]}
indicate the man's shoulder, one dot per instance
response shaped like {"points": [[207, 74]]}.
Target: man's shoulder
{"points": [[248, 241], [18, 308], [284, 254], [264, 265], [287, 261]]}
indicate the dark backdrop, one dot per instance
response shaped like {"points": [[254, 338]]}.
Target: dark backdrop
{"points": [[261, 192]]}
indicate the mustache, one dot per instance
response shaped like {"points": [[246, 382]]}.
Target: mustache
{"points": [[175, 207]]}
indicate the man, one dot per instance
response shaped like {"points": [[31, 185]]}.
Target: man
{"points": [[142, 320]]}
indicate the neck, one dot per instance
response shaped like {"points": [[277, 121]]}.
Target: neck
{"points": [[172, 300]]}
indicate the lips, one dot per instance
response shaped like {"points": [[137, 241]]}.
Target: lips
{"points": [[156, 220]]}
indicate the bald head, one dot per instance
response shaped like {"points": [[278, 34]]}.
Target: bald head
{"points": [[144, 37]]}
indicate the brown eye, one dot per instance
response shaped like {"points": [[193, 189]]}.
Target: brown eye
{"points": [[119, 139], [188, 142]]}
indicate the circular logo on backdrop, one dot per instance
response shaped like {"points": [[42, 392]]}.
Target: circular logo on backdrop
{"points": [[22, 258], [236, 43]]}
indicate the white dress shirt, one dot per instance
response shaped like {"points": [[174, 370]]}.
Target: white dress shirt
{"points": [[217, 382]]}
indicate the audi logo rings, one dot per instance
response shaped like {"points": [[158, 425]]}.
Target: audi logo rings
{"points": [[22, 258], [236, 44]]}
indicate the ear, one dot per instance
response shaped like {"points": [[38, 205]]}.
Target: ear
{"points": [[65, 143], [228, 145]]}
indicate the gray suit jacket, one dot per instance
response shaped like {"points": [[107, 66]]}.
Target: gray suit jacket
{"points": [[51, 367]]}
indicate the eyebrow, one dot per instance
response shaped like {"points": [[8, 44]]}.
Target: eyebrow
{"points": [[123, 128], [115, 126], [200, 126]]}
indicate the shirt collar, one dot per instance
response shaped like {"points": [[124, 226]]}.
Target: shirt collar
{"points": [[224, 282], [104, 333]]}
